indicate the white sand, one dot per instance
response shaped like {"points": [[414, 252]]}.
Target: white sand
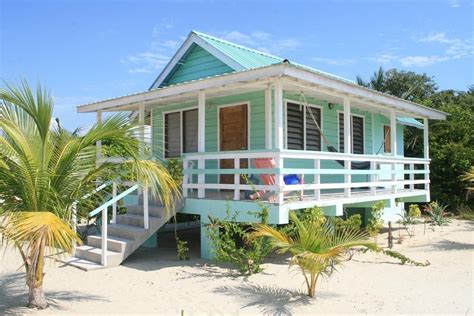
{"points": [[153, 281]]}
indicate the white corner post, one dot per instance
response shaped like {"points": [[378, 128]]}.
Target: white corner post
{"points": [[426, 155], [141, 155], [141, 123], [347, 145], [98, 143], [201, 140], [393, 146], [104, 237], [279, 138], [268, 118]]}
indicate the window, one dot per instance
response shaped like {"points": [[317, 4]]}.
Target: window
{"points": [[301, 131], [357, 129], [387, 143], [181, 138]]}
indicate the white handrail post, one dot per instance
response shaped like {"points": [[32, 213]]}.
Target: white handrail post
{"points": [[393, 143], [280, 182], [74, 225], [347, 145], [236, 179], [114, 206], [278, 114], [145, 208], [317, 179], [268, 118], [98, 143], [201, 142], [426, 152], [104, 237], [412, 177]]}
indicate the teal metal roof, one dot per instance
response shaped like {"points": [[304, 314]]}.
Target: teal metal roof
{"points": [[251, 58], [248, 58], [410, 122]]}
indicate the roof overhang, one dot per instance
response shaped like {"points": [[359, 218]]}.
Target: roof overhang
{"points": [[318, 81]]}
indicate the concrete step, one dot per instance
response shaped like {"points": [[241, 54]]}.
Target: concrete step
{"points": [[152, 210], [95, 255], [137, 220], [126, 231], [116, 244], [81, 264]]}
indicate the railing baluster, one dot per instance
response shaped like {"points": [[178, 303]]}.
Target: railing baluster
{"points": [[201, 178], [114, 206], [412, 177], [236, 179], [373, 178], [185, 177], [317, 179], [104, 237], [145, 208], [394, 177], [347, 178]]}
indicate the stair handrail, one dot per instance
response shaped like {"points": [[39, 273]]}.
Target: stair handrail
{"points": [[74, 207], [103, 209]]}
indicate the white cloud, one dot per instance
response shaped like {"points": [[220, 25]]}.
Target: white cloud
{"points": [[421, 61], [451, 47], [334, 61], [454, 3], [262, 41]]}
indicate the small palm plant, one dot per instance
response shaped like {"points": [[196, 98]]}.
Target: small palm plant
{"points": [[45, 169], [315, 248]]}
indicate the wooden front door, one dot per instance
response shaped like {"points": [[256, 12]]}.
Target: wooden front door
{"points": [[233, 131]]}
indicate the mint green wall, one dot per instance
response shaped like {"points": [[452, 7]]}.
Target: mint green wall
{"points": [[197, 64], [257, 130]]}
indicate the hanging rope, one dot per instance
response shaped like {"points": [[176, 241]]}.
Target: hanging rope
{"points": [[362, 165]]}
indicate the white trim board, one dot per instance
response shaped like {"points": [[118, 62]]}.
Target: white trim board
{"points": [[317, 81]]}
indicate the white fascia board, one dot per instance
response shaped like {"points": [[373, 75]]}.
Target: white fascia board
{"points": [[194, 39], [185, 88], [363, 93]]}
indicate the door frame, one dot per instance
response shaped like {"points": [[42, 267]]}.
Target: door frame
{"points": [[247, 103]]}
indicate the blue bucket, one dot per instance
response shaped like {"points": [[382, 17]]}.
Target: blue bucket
{"points": [[291, 179]]}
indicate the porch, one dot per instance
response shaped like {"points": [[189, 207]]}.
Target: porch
{"points": [[325, 183]]}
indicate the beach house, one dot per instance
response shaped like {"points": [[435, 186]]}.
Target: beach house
{"points": [[252, 128]]}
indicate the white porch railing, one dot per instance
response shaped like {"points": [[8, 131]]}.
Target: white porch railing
{"points": [[322, 169]]}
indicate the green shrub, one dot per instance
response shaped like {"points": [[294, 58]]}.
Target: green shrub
{"points": [[352, 222], [414, 211], [230, 242], [175, 169], [375, 222], [313, 214], [437, 213], [183, 249]]}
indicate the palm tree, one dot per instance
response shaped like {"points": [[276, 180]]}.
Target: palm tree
{"points": [[376, 82], [44, 169], [316, 249]]}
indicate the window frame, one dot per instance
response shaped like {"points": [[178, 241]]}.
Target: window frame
{"points": [[352, 134], [180, 111], [321, 126]]}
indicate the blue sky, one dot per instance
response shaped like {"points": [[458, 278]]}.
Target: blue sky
{"points": [[91, 50]]}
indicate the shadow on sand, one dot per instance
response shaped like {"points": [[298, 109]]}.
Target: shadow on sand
{"points": [[270, 300], [14, 295]]}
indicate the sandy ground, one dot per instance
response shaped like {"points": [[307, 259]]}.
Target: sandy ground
{"points": [[153, 281]]}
